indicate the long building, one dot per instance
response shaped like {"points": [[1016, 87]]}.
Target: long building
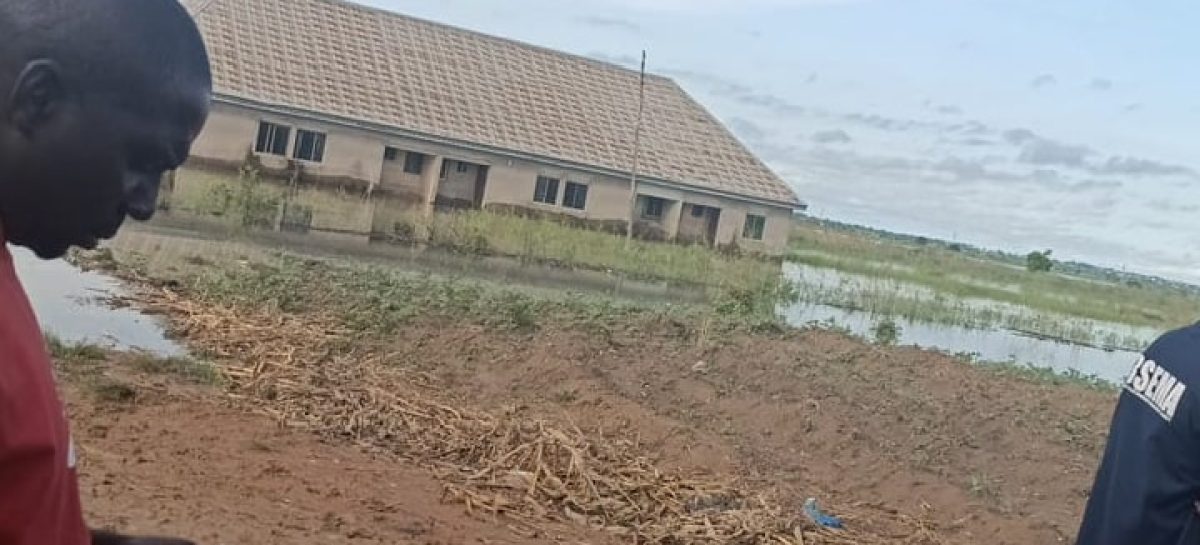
{"points": [[448, 117]]}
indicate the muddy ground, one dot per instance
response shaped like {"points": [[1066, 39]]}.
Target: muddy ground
{"points": [[985, 458]]}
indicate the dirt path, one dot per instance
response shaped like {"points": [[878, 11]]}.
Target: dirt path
{"points": [[179, 461]]}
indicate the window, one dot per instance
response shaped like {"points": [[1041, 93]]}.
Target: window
{"points": [[575, 196], [653, 208], [390, 153], [414, 162], [754, 227], [698, 211], [463, 166], [445, 165], [546, 190], [272, 138], [310, 146]]}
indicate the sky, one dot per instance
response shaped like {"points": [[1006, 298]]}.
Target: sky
{"points": [[1013, 124]]}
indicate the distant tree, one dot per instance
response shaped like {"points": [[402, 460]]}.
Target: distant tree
{"points": [[1039, 261]]}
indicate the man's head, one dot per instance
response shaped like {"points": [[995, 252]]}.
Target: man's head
{"points": [[98, 98]]}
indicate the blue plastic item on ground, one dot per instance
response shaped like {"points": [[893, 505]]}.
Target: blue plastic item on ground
{"points": [[815, 514]]}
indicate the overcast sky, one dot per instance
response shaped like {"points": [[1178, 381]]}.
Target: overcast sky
{"points": [[1015, 124]]}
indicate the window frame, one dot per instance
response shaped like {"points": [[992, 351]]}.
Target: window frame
{"points": [[316, 152], [573, 188], [755, 227], [546, 187], [268, 140], [658, 202], [462, 167], [409, 158], [391, 153]]}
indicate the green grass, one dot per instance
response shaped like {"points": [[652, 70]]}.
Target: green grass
{"points": [[374, 301], [84, 358], [249, 201], [1041, 375], [188, 369], [550, 241], [956, 277], [889, 298], [74, 352]]}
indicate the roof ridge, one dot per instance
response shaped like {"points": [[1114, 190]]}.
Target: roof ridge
{"points": [[202, 5]]}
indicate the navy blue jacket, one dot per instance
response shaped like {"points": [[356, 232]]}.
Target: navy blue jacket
{"points": [[1149, 480]]}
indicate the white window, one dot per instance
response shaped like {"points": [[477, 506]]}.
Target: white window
{"points": [[310, 146], [653, 208], [575, 196], [272, 138], [755, 225], [414, 162], [546, 190]]}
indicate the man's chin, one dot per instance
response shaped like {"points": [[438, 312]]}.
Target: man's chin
{"points": [[47, 251], [55, 249]]}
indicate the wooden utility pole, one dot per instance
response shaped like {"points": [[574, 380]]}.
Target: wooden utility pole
{"points": [[637, 152]]}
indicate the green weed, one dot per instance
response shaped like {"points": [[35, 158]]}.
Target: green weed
{"points": [[886, 332], [74, 352], [957, 277], [185, 368]]}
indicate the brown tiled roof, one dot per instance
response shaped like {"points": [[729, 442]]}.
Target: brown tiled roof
{"points": [[346, 60]]}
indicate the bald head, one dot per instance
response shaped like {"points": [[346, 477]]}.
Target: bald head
{"points": [[100, 97], [107, 42]]}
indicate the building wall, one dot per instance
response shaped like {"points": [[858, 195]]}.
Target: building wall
{"points": [[393, 178], [206, 192], [459, 186], [691, 228], [512, 182], [227, 136], [358, 154], [232, 132]]}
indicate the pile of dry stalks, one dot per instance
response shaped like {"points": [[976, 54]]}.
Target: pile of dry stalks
{"points": [[307, 371]]}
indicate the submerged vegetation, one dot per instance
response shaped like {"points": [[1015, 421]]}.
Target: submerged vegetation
{"points": [[935, 284], [248, 201]]}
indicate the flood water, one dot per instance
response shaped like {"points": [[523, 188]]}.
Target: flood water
{"points": [[994, 344], [987, 345], [72, 305]]}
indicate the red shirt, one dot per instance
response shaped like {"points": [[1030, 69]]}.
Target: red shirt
{"points": [[39, 493]]}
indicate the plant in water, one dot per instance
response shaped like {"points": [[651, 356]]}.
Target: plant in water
{"points": [[886, 332]]}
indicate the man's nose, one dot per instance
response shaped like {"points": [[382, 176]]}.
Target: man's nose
{"points": [[141, 197]]}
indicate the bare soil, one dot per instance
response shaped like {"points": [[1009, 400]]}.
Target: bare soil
{"points": [[170, 459], [985, 458]]}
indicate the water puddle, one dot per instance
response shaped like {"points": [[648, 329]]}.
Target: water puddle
{"points": [[70, 304], [987, 345], [163, 243]]}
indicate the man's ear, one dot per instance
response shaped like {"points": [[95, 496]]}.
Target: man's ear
{"points": [[36, 96]]}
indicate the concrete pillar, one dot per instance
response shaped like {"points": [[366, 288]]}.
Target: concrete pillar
{"points": [[430, 179], [671, 217], [730, 226]]}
